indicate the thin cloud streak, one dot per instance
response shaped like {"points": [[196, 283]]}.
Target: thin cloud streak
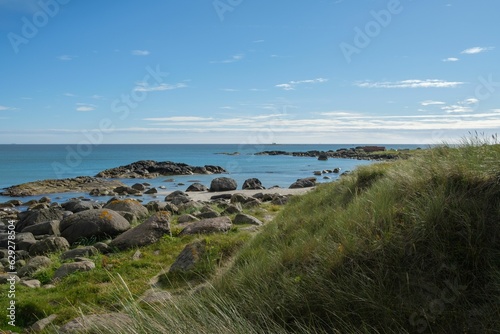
{"points": [[428, 83]]}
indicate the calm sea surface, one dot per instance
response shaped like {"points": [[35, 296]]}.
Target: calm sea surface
{"points": [[25, 163]]}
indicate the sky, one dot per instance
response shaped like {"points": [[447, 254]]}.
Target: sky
{"points": [[248, 71]]}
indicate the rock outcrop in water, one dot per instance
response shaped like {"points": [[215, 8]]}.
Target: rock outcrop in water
{"points": [[77, 184], [149, 169]]}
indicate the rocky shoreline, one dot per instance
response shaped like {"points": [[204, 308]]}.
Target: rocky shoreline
{"points": [[150, 169], [103, 185], [82, 184], [359, 153]]}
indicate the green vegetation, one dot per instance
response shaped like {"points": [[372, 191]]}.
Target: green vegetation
{"points": [[410, 246]]}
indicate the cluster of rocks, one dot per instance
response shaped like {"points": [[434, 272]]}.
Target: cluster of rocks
{"points": [[79, 229], [148, 169], [359, 152]]}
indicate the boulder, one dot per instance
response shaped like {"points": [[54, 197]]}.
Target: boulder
{"points": [[144, 234], [128, 205], [45, 228], [31, 283], [69, 268], [232, 208], [139, 186], [304, 183], [25, 240], [207, 212], [187, 218], [242, 218], [207, 226], [78, 206], [93, 223], [97, 323], [323, 156], [34, 264], [239, 198], [189, 257], [8, 279], [223, 184], [151, 191], [49, 245], [253, 184], [41, 324], [196, 187], [79, 252], [102, 247], [29, 218]]}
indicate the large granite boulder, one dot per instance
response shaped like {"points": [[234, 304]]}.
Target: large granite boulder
{"points": [[196, 187], [24, 241], [128, 205], [189, 257], [45, 228], [49, 245], [86, 251], [223, 184], [253, 184], [78, 205], [242, 218], [207, 226], [144, 234], [93, 223], [29, 218], [304, 183], [69, 268], [34, 264]]}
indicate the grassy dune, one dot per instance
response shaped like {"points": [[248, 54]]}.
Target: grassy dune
{"points": [[411, 246]]}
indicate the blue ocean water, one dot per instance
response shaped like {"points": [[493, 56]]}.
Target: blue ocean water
{"points": [[25, 163]]}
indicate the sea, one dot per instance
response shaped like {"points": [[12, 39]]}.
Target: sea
{"points": [[26, 163]]}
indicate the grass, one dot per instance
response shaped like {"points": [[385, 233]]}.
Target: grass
{"points": [[411, 246]]}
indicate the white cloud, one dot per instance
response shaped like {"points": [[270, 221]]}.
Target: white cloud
{"points": [[286, 124], [428, 83], [258, 41], [179, 119], [5, 108], [140, 53], [232, 59], [229, 90], [476, 50], [144, 87], [292, 84], [465, 106], [285, 86], [66, 57], [85, 107], [451, 59], [431, 103], [97, 97], [69, 95]]}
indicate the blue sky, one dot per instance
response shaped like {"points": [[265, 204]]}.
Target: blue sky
{"points": [[241, 71]]}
